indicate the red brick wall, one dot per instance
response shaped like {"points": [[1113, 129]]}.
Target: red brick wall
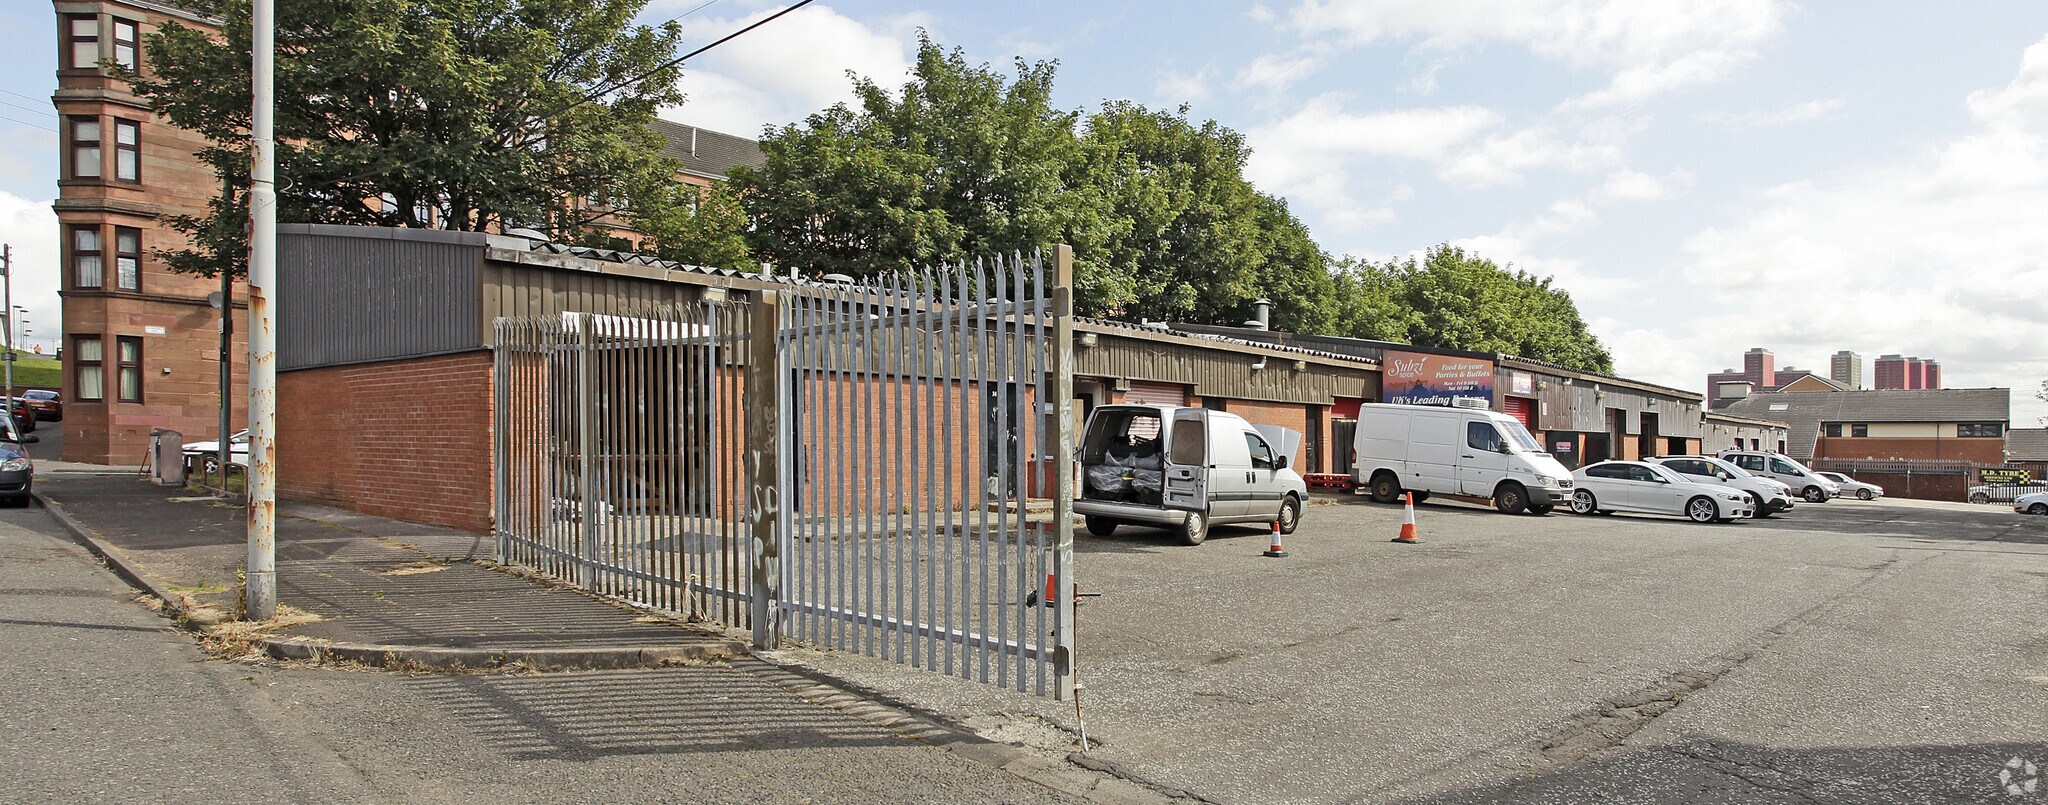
{"points": [[1981, 451], [408, 439], [1292, 416]]}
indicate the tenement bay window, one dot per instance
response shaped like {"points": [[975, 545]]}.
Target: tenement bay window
{"points": [[85, 147], [85, 257], [130, 368], [127, 150], [82, 36], [125, 43], [90, 382], [127, 258]]}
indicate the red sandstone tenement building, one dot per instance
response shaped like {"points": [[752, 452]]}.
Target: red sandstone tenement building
{"points": [[140, 342]]}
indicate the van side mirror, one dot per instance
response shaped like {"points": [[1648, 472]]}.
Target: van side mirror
{"points": [[1279, 462], [1724, 476]]}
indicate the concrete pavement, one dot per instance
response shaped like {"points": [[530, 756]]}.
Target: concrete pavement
{"points": [[107, 704]]}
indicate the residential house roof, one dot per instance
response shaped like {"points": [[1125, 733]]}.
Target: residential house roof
{"points": [[1805, 411], [704, 152], [2027, 444]]}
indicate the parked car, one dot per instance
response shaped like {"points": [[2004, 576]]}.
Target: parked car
{"points": [[17, 470], [1185, 469], [48, 405], [24, 415], [1809, 484], [1651, 488], [207, 453], [2032, 503], [1767, 496], [1853, 487], [2004, 491], [1455, 451]]}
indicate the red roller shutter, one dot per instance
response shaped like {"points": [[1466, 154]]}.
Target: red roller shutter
{"points": [[1145, 392], [1524, 409]]}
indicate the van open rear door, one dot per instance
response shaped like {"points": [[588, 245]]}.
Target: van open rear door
{"points": [[1187, 461]]}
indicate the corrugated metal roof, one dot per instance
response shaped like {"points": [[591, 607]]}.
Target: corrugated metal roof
{"points": [[1805, 411], [704, 152], [2027, 444]]}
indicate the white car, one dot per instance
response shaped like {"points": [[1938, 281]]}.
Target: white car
{"points": [[1651, 488], [1854, 488], [1767, 495], [1786, 470], [2036, 503], [209, 451]]}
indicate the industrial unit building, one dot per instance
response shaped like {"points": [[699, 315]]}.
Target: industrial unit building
{"points": [[1930, 424]]}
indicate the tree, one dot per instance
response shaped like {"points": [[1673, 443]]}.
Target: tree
{"points": [[704, 227], [1461, 301], [454, 114], [964, 161], [2042, 395]]}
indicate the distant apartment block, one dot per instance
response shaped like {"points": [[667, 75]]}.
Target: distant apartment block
{"points": [[1846, 368], [1896, 372]]}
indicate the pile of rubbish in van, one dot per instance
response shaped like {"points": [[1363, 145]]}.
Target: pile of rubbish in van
{"points": [[1132, 475]]}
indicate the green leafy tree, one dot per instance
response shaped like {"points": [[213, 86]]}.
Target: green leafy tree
{"points": [[1463, 301], [705, 227], [425, 113]]}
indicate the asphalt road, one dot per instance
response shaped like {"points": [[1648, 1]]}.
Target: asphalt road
{"points": [[104, 704], [1893, 651]]}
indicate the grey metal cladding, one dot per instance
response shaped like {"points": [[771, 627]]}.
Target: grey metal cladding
{"points": [[359, 294]]}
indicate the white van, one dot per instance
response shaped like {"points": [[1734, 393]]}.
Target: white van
{"points": [[1473, 452], [1186, 469], [1812, 486]]}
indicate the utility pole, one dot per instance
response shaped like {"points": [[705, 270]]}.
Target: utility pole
{"points": [[260, 586], [225, 451], [7, 298]]}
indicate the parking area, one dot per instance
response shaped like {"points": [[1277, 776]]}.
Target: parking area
{"points": [[1853, 651]]}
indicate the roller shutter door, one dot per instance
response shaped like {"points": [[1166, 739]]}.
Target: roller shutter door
{"points": [[1145, 392], [1523, 409]]}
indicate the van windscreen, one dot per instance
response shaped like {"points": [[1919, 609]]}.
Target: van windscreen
{"points": [[1521, 437]]}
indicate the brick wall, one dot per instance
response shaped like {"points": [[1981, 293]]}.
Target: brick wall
{"points": [[1292, 416], [1982, 451], [408, 439]]}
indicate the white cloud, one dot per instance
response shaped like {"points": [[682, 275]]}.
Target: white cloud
{"points": [[1309, 141], [1174, 88], [789, 68], [30, 227], [1803, 112], [1639, 186], [1274, 72], [1939, 254], [1588, 290], [1648, 46], [1500, 159]]}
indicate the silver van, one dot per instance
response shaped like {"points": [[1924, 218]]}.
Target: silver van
{"points": [[1803, 481], [1186, 469]]}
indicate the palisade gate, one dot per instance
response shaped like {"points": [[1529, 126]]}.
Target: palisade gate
{"points": [[871, 466]]}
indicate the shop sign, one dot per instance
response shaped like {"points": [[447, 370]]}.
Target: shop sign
{"points": [[1564, 446], [1521, 383], [2004, 476], [1414, 378]]}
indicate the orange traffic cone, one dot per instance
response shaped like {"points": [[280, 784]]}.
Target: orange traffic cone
{"points": [[1048, 598], [1276, 550], [1408, 533]]}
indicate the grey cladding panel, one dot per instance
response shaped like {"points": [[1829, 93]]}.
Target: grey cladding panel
{"points": [[358, 299]]}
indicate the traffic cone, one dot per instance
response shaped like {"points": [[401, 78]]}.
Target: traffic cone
{"points": [[1276, 550], [1048, 598], [1408, 533]]}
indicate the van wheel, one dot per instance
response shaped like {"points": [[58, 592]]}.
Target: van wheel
{"points": [[1290, 514], [1101, 526], [1386, 488], [1510, 499], [1815, 494], [1701, 510], [1195, 529]]}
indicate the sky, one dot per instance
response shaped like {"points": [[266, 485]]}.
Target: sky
{"points": [[1703, 176]]}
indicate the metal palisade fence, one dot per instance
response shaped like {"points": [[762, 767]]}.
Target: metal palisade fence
{"points": [[869, 466]]}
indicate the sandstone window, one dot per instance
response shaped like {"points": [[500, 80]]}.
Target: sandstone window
{"points": [[91, 381], [85, 257], [127, 150], [85, 147], [127, 258], [124, 43], [130, 368], [82, 35]]}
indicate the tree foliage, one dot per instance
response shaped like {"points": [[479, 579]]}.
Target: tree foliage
{"points": [[704, 227], [962, 161], [425, 113], [1463, 301]]}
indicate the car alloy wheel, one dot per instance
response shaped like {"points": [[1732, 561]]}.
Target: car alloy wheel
{"points": [[1701, 510], [1815, 494], [1864, 494], [1583, 502], [1980, 498], [2038, 508]]}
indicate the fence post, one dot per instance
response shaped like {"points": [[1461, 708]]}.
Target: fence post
{"points": [[764, 467], [501, 441], [1063, 466], [586, 441]]}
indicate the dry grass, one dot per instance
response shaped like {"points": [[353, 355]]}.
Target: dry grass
{"points": [[235, 639], [416, 568]]}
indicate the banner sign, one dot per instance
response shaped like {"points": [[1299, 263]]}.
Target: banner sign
{"points": [[1414, 378], [2004, 476], [1521, 383]]}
